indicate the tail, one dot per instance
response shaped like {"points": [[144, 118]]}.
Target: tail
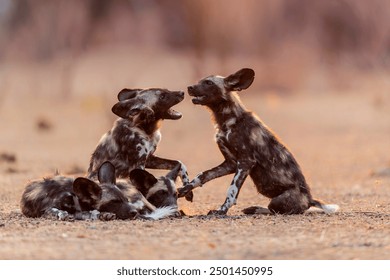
{"points": [[256, 210], [161, 213], [327, 208]]}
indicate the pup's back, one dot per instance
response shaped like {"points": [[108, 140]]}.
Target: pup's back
{"points": [[42, 195]]}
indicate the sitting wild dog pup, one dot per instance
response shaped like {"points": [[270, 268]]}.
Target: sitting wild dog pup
{"points": [[66, 198], [132, 141], [250, 148]]}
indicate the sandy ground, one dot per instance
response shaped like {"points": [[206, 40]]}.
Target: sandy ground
{"points": [[341, 140]]}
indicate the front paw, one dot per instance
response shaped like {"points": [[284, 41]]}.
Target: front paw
{"points": [[184, 191], [65, 216], [107, 216], [216, 213], [189, 196]]}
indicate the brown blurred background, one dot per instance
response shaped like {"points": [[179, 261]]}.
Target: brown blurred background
{"points": [[293, 44]]}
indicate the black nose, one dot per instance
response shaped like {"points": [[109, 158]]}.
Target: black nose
{"points": [[181, 93], [190, 88]]}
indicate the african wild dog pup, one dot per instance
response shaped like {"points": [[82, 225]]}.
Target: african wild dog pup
{"points": [[159, 192], [250, 148], [132, 141], [66, 198]]}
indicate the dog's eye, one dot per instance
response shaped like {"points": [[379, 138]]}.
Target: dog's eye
{"points": [[209, 83], [163, 96]]}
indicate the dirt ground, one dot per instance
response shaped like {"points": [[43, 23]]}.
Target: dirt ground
{"points": [[341, 140]]}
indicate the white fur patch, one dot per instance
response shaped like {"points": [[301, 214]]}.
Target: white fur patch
{"points": [[148, 145], [156, 137], [94, 214], [162, 212], [230, 122], [231, 197], [143, 149], [196, 181], [139, 204], [330, 208], [60, 214]]}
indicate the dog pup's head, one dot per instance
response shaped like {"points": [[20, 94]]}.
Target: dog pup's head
{"points": [[214, 89], [104, 196], [158, 191], [148, 105]]}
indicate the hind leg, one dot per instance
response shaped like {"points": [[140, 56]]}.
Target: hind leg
{"points": [[289, 202], [256, 210]]}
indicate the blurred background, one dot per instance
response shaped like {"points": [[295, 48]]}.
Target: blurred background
{"points": [[293, 45]]}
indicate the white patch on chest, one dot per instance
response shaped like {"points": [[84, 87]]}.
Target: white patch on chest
{"points": [[229, 123], [143, 149], [148, 144], [226, 131]]}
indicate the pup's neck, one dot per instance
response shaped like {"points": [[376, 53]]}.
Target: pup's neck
{"points": [[150, 127], [227, 109]]}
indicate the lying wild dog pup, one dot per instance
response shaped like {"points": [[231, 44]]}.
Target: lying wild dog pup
{"points": [[134, 137], [151, 192], [66, 198], [250, 148]]}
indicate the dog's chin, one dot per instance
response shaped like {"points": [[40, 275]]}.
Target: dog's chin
{"points": [[172, 115], [198, 100]]}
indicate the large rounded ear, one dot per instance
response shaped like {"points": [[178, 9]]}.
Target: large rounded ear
{"points": [[106, 173], [142, 180], [240, 80], [127, 109], [87, 191], [123, 108], [128, 93]]}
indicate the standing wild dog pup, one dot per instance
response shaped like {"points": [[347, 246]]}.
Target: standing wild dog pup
{"points": [[250, 148], [132, 141], [66, 198]]}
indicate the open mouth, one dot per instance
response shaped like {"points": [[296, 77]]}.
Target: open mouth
{"points": [[198, 99], [172, 114]]}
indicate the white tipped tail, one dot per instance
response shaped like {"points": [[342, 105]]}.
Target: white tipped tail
{"points": [[161, 213], [330, 208], [327, 208]]}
